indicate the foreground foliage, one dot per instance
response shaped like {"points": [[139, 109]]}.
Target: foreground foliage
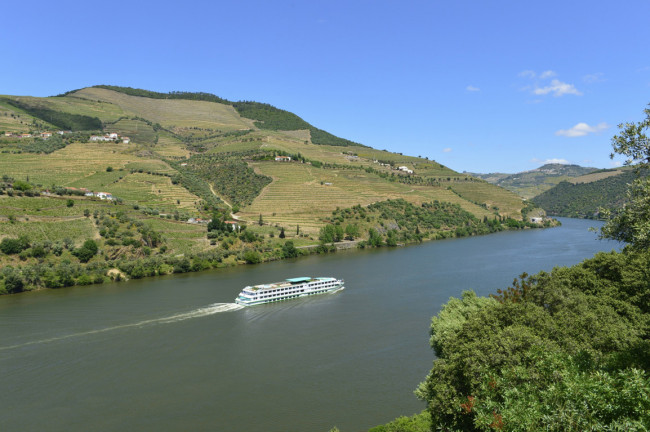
{"points": [[566, 350], [562, 351], [631, 224]]}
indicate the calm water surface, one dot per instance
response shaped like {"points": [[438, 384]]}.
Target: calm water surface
{"points": [[174, 353]]}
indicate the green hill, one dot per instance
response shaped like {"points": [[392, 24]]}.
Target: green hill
{"points": [[531, 183], [195, 156], [584, 195]]}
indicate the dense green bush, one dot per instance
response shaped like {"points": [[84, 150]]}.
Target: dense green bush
{"points": [[566, 350], [12, 246], [87, 251]]}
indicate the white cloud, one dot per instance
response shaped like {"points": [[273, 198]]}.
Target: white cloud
{"points": [[471, 88], [558, 88], [616, 164], [541, 86], [582, 129], [547, 74], [446, 150]]}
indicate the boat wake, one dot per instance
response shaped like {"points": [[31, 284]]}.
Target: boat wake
{"points": [[196, 313]]}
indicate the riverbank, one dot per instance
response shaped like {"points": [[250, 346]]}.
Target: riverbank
{"points": [[121, 263]]}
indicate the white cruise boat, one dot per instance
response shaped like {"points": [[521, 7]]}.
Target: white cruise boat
{"points": [[288, 289]]}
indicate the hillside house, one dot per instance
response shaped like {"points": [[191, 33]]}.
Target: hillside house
{"points": [[104, 196], [405, 169], [46, 135], [283, 158], [99, 138], [107, 137], [126, 140]]}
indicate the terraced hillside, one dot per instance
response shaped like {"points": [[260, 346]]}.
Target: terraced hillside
{"points": [[196, 157], [303, 194]]}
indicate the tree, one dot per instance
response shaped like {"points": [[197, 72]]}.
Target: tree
{"points": [[632, 223], [351, 231], [374, 238], [338, 233], [14, 283], [289, 250], [22, 186], [282, 235], [69, 203], [217, 223], [327, 234], [252, 257], [10, 246], [261, 221], [87, 251]]}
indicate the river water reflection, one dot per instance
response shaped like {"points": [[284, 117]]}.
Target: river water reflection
{"points": [[174, 353]]}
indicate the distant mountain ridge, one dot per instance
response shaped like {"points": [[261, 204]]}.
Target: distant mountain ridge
{"points": [[534, 182]]}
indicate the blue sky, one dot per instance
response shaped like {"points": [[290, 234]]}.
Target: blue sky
{"points": [[478, 86]]}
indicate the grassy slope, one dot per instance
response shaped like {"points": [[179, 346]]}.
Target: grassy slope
{"points": [[296, 195], [171, 113]]}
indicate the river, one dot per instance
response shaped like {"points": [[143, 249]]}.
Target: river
{"points": [[175, 353]]}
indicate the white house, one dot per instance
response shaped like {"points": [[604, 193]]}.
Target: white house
{"points": [[99, 138], [405, 169], [107, 137], [283, 158], [104, 196]]}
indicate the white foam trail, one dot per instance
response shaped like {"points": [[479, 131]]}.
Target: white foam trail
{"points": [[197, 313]]}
